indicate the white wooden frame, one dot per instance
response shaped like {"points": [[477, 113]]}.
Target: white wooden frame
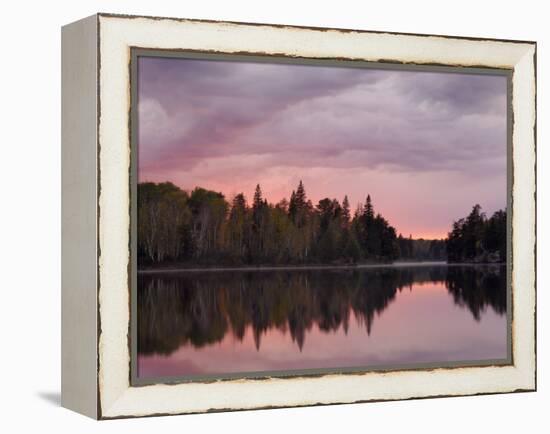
{"points": [[96, 218]]}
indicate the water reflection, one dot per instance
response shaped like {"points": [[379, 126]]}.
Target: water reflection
{"points": [[478, 287], [197, 310]]}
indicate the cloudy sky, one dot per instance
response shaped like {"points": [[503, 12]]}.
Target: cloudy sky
{"points": [[427, 146]]}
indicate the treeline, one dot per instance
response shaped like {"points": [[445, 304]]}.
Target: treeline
{"points": [[202, 227], [421, 249], [477, 238]]}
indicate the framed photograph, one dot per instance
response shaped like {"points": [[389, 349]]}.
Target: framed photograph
{"points": [[262, 216]]}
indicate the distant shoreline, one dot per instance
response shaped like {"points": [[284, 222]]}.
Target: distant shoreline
{"points": [[315, 267]]}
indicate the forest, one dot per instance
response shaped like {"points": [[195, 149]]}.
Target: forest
{"points": [[202, 227], [477, 238]]}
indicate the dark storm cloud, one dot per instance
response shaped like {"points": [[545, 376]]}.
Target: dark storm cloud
{"points": [[170, 79], [214, 103]]}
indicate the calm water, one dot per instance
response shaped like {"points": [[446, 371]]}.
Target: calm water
{"points": [[221, 322]]}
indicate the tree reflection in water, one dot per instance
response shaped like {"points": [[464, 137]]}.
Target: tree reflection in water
{"points": [[201, 308]]}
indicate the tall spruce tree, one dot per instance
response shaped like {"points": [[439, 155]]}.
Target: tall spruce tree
{"points": [[257, 224], [300, 195], [292, 205], [346, 215], [257, 201], [298, 206], [369, 209]]}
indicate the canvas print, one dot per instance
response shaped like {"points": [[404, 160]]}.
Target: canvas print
{"points": [[307, 218]]}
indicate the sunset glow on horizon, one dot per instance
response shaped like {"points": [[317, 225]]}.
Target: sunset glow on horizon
{"points": [[426, 146]]}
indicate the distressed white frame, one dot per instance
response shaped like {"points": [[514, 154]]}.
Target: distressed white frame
{"points": [[116, 397]]}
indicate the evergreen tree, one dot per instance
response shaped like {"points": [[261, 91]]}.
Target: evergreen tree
{"points": [[258, 225], [292, 205], [298, 206], [346, 214], [237, 226], [369, 209], [325, 209], [258, 201], [494, 239], [478, 239], [369, 233], [300, 195]]}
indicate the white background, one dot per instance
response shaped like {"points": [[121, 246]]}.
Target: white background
{"points": [[30, 216]]}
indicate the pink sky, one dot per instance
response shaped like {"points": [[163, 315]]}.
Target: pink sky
{"points": [[426, 146]]}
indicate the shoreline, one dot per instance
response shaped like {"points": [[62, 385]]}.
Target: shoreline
{"points": [[316, 267]]}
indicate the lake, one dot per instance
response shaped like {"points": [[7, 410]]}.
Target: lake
{"points": [[201, 323]]}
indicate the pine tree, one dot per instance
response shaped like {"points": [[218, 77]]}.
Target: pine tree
{"points": [[368, 230], [298, 206], [474, 228], [346, 216], [257, 203], [257, 223], [292, 205], [301, 195], [325, 210], [369, 209], [237, 225]]}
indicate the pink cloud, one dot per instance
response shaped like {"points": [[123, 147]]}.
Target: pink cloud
{"points": [[425, 145]]}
